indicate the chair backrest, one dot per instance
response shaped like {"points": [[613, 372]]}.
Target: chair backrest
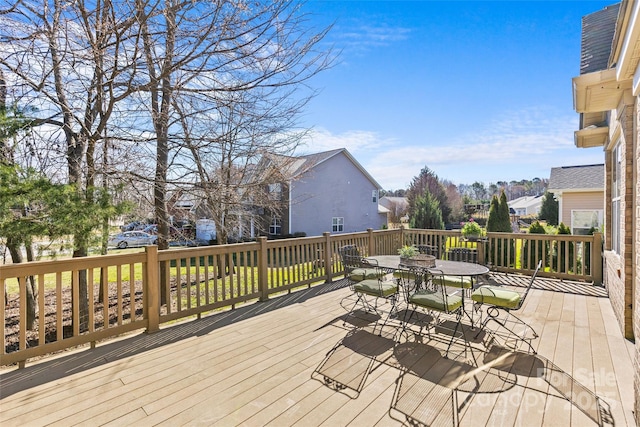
{"points": [[350, 256], [411, 279], [349, 250], [429, 250], [526, 292], [462, 254]]}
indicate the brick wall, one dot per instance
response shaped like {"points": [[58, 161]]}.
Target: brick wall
{"points": [[626, 117], [618, 268], [636, 263]]}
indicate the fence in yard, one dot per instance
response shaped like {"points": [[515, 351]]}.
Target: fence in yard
{"points": [[84, 300]]}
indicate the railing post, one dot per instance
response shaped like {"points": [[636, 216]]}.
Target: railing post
{"points": [[372, 246], [151, 286], [596, 259], [263, 270], [480, 248], [328, 257]]}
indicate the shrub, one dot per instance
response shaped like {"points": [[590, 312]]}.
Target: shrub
{"points": [[534, 250], [561, 250], [471, 228]]}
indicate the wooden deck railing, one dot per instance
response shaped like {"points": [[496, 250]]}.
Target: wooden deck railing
{"points": [[123, 293]]}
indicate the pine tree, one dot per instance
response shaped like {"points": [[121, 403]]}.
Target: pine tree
{"points": [[493, 215], [549, 209], [499, 221], [427, 213], [504, 221]]}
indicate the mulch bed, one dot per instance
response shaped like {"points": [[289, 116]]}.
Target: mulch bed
{"points": [[12, 316]]}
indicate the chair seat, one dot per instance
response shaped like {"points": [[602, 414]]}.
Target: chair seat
{"points": [[409, 275], [495, 295], [375, 288], [364, 273], [458, 282], [435, 300]]}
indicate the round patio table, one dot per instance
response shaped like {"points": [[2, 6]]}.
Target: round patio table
{"points": [[450, 268]]}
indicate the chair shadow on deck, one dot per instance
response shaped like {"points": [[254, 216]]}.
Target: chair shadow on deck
{"points": [[84, 358], [432, 390], [347, 365]]}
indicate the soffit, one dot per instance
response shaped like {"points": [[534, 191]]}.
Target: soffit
{"points": [[598, 91], [591, 136]]}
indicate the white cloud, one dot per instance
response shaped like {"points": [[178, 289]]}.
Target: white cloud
{"points": [[355, 141], [517, 145]]}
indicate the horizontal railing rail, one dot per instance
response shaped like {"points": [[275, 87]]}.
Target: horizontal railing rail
{"points": [[54, 305]]}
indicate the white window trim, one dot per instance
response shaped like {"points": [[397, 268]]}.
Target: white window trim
{"points": [[337, 224], [616, 197], [574, 226], [275, 227]]}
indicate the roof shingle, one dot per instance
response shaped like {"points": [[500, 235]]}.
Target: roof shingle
{"points": [[577, 177]]}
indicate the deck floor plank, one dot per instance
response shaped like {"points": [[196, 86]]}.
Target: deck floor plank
{"points": [[255, 366]]}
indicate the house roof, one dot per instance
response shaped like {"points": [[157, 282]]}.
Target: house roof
{"points": [[607, 55], [388, 201], [585, 177], [598, 30], [299, 165], [525, 202]]}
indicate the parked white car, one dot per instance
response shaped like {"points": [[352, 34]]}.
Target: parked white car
{"points": [[132, 239]]}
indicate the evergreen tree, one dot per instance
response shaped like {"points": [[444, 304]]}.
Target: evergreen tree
{"points": [[428, 181], [499, 221], [492, 221], [549, 209], [504, 221], [427, 213]]}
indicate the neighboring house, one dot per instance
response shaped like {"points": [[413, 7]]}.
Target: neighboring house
{"points": [[182, 206], [397, 209], [606, 96], [526, 205], [579, 191], [324, 192]]}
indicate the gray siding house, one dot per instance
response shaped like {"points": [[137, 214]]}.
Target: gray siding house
{"points": [[327, 192]]}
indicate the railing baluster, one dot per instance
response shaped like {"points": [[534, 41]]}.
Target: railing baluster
{"points": [[239, 272]]}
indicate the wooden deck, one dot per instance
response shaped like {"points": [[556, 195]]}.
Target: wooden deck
{"points": [[293, 361]]}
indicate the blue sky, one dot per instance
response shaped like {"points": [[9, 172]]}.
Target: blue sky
{"points": [[474, 90]]}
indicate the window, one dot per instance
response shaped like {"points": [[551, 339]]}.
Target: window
{"points": [[616, 195], [275, 191], [275, 227], [583, 220], [374, 195], [337, 224]]}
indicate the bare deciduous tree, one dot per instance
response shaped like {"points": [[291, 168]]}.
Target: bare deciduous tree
{"points": [[66, 59], [226, 86]]}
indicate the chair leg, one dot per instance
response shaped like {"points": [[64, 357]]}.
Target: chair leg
{"points": [[446, 354], [350, 312], [405, 322], [391, 311], [492, 314], [464, 337]]}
